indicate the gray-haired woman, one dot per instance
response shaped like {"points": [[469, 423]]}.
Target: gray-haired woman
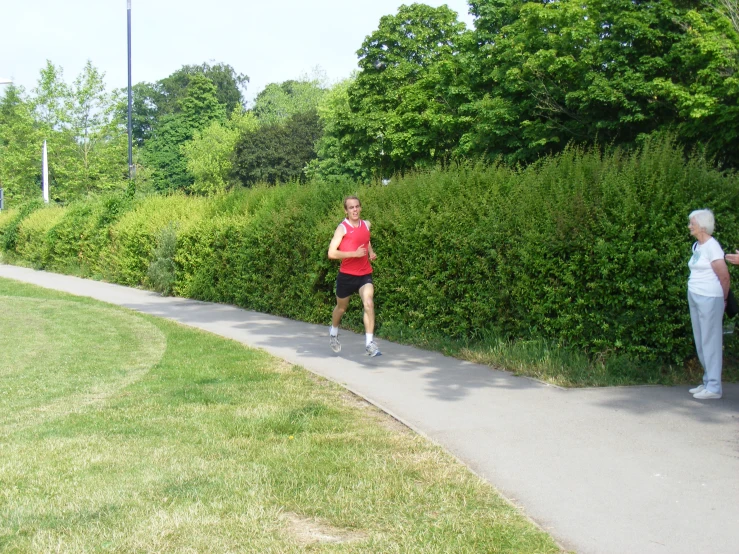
{"points": [[708, 288]]}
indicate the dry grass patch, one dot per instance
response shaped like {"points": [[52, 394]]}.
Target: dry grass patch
{"points": [[306, 530]]}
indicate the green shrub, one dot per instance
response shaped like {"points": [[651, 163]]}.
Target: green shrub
{"points": [[32, 242], [132, 239], [81, 238], [161, 271], [585, 251], [67, 236], [267, 251], [10, 230], [6, 219]]}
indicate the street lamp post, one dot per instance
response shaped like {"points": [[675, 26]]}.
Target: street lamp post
{"points": [[45, 173], [131, 169]]}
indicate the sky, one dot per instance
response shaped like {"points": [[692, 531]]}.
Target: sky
{"points": [[269, 41]]}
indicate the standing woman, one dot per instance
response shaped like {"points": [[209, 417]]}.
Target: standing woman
{"points": [[708, 288]]}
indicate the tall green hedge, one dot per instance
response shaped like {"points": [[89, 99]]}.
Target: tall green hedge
{"points": [[586, 249], [33, 242]]}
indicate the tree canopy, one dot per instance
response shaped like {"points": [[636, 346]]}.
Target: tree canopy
{"points": [[547, 73], [85, 139], [279, 101], [152, 102], [530, 78], [198, 108], [278, 152], [402, 108], [534, 76]]}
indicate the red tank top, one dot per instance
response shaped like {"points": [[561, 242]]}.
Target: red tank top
{"points": [[353, 239]]}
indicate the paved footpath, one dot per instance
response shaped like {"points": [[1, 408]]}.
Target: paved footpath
{"points": [[618, 470]]}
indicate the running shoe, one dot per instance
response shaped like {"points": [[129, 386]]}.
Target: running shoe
{"points": [[372, 350], [334, 343]]}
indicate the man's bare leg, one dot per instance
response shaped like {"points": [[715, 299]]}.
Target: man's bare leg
{"points": [[339, 310], [367, 294]]}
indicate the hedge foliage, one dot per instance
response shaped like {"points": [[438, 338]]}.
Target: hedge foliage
{"points": [[33, 242], [587, 249]]}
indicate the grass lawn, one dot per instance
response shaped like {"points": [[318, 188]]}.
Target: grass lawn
{"points": [[120, 432], [554, 364]]}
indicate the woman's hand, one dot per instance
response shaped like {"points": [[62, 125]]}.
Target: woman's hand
{"points": [[733, 258]]}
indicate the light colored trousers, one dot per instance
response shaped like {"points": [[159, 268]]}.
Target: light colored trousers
{"points": [[707, 316]]}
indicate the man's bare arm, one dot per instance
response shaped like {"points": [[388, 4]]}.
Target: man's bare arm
{"points": [[333, 248]]}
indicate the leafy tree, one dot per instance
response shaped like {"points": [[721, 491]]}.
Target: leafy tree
{"points": [[144, 111], [20, 146], [404, 104], [728, 9], [152, 102], [50, 95], [162, 154], [51, 101], [86, 143], [546, 73], [163, 151], [333, 161], [279, 152], [278, 101], [227, 82], [209, 155], [101, 161], [200, 105], [706, 101]]}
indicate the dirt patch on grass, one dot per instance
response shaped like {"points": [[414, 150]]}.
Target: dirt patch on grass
{"points": [[309, 531]]}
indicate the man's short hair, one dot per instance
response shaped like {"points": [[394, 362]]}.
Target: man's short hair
{"points": [[352, 198]]}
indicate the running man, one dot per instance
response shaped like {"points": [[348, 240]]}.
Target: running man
{"points": [[351, 244]]}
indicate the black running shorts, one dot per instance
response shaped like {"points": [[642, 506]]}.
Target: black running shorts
{"points": [[346, 284]]}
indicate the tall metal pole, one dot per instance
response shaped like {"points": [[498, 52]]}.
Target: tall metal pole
{"points": [[131, 169], [45, 174]]}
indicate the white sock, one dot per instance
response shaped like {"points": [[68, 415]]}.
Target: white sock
{"points": [[333, 331], [368, 338]]}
